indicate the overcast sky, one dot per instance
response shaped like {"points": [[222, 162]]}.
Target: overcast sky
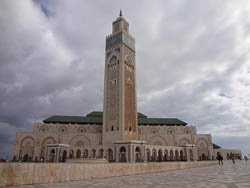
{"points": [[193, 63]]}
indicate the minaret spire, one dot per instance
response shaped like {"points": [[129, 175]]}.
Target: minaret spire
{"points": [[120, 13]]}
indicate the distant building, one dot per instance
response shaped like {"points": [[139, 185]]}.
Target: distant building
{"points": [[226, 153], [119, 134]]}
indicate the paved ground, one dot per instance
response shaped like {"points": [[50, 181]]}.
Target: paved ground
{"points": [[227, 176]]}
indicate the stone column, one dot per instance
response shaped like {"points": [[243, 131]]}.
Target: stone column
{"points": [[129, 156], [133, 153], [116, 153], [58, 154], [187, 153], [46, 155], [195, 154], [143, 152], [145, 155]]}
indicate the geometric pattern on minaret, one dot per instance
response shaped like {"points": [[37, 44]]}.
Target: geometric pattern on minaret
{"points": [[120, 102]]}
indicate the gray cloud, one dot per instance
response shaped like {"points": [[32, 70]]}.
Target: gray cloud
{"points": [[192, 62]]}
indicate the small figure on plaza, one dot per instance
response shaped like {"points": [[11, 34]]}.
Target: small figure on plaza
{"points": [[246, 159], [232, 157], [220, 159]]}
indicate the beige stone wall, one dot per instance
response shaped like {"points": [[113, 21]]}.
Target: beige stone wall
{"points": [[89, 137], [77, 136], [38, 173], [178, 136]]}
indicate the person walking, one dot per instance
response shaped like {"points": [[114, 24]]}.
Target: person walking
{"points": [[232, 157], [246, 159], [220, 159]]}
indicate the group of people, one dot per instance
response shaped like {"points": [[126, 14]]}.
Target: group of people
{"points": [[232, 157]]}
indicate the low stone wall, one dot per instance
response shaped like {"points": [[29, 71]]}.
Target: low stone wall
{"points": [[40, 173]]}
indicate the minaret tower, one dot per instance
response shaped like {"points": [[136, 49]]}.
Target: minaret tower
{"points": [[120, 106]]}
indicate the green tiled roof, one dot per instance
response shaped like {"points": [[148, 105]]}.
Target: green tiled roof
{"points": [[216, 146], [74, 119], [95, 114], [141, 115], [96, 117], [160, 121]]}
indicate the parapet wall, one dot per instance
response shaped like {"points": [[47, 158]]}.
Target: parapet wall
{"points": [[40, 173]]}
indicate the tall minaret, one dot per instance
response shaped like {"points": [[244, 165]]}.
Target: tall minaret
{"points": [[120, 105]]}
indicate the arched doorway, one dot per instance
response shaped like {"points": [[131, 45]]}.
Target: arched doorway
{"points": [[203, 157], [45, 142], [85, 153], [71, 154], [166, 155], [27, 148], [123, 154], [176, 155], [171, 155], [78, 154], [52, 155], [159, 155], [148, 155], [138, 155], [93, 153], [181, 156], [110, 155], [64, 156], [26, 158], [154, 155]]}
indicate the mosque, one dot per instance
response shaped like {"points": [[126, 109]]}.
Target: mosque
{"points": [[119, 133]]}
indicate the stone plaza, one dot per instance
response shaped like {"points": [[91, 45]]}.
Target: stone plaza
{"points": [[227, 176]]}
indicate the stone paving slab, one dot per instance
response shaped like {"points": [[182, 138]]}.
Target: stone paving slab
{"points": [[225, 176]]}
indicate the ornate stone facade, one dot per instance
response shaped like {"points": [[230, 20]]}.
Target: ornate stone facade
{"points": [[119, 133]]}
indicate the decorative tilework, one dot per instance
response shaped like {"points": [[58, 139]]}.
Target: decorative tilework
{"points": [[117, 49], [108, 54]]}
